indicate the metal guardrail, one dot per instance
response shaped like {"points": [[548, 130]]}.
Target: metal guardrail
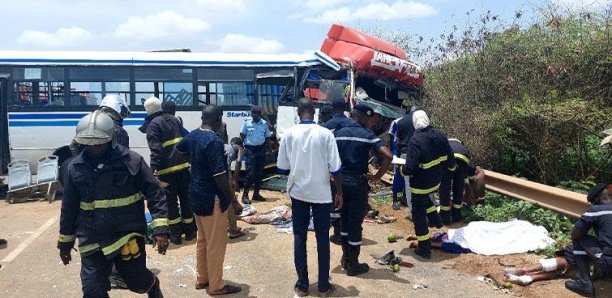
{"points": [[559, 200]]}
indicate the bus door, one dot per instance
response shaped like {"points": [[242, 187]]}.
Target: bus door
{"points": [[275, 94], [4, 146]]}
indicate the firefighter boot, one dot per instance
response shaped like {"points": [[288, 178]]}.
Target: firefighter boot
{"points": [[354, 267], [396, 203], [582, 284], [434, 220], [155, 291], [423, 249], [456, 214], [345, 256], [445, 215], [245, 197], [176, 233]]}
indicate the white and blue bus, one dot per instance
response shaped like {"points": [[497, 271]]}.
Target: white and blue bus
{"points": [[44, 94]]}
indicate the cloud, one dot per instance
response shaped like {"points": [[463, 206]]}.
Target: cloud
{"points": [[62, 38], [238, 43], [322, 4], [375, 11], [164, 24], [219, 6]]}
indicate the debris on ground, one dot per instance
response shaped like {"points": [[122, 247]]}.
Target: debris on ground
{"points": [[419, 286], [495, 285]]}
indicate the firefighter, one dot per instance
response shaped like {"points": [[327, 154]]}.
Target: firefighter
{"points": [[355, 141], [164, 131], [400, 132], [103, 207], [255, 133], [428, 156], [586, 248], [454, 179], [115, 107]]}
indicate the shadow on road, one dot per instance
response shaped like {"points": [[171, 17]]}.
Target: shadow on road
{"points": [[349, 291]]}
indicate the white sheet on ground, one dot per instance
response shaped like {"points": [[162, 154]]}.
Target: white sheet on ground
{"points": [[500, 238]]}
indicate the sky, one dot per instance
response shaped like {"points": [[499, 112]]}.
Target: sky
{"points": [[240, 26]]}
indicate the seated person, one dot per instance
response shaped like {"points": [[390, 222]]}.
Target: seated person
{"points": [[584, 249]]}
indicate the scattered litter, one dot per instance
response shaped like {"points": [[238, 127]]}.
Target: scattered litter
{"points": [[288, 230], [227, 267], [495, 285], [385, 219], [419, 286], [179, 270], [182, 285]]}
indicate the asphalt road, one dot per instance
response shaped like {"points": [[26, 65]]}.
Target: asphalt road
{"points": [[261, 263]]}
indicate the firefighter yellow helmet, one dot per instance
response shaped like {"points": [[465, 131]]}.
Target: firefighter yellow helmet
{"points": [[95, 128]]}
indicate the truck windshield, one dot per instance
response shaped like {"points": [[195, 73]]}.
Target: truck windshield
{"points": [[324, 85]]}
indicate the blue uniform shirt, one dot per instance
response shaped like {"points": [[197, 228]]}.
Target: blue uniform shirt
{"points": [[205, 149], [354, 145], [255, 133], [337, 122]]}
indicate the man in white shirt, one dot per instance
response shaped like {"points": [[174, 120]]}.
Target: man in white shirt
{"points": [[309, 155]]}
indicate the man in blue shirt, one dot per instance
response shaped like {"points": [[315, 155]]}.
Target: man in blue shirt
{"points": [[254, 133], [210, 194], [355, 141], [339, 120]]}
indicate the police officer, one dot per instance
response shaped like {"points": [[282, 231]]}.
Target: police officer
{"points": [[400, 132], [103, 207], [115, 107], [428, 156], [339, 120], [254, 134], [355, 141], [454, 179], [164, 131], [586, 248]]}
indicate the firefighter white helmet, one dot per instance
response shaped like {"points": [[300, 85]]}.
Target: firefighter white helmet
{"points": [[152, 105], [117, 103], [95, 128]]}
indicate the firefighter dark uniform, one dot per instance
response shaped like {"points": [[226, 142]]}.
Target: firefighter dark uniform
{"points": [[103, 207], [428, 156], [454, 180], [588, 249], [354, 145], [164, 131]]}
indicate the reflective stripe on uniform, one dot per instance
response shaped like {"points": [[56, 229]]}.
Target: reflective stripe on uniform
{"points": [[66, 238], [420, 191], [432, 209], [159, 222], [112, 203], [188, 220], [88, 248], [433, 163], [174, 221], [453, 168], [369, 141], [462, 157], [579, 252], [445, 208], [171, 142], [457, 206], [354, 243], [173, 169], [423, 237], [107, 250]]}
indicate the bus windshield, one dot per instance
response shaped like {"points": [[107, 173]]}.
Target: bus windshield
{"points": [[325, 85]]}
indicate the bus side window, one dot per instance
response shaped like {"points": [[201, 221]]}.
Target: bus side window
{"points": [[39, 93]]}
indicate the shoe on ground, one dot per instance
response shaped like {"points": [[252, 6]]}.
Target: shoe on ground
{"points": [[335, 239], [328, 292], [423, 253], [236, 234], [580, 288], [396, 206], [258, 197], [176, 240], [300, 293], [245, 200], [190, 236]]}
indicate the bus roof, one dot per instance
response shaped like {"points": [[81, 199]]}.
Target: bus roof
{"points": [[164, 59]]}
